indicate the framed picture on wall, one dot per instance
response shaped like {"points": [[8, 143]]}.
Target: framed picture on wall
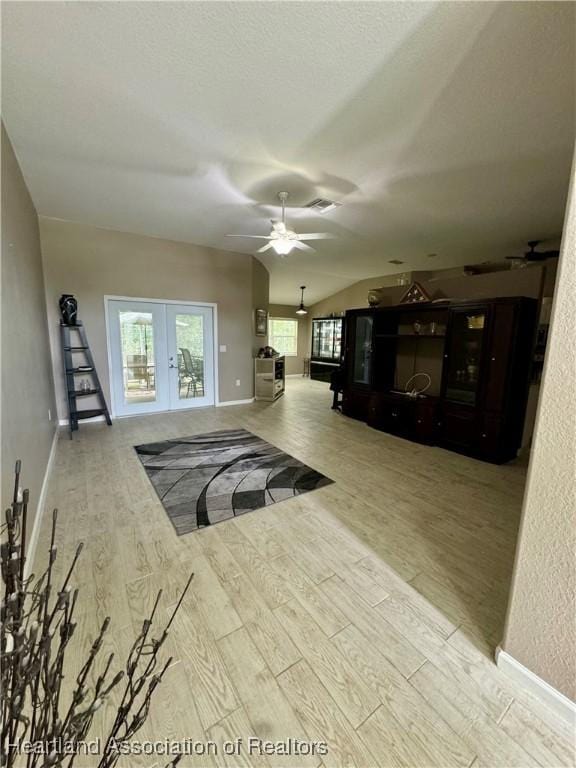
{"points": [[261, 322]]}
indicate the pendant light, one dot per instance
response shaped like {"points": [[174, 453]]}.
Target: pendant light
{"points": [[302, 309]]}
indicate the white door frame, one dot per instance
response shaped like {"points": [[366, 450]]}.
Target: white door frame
{"points": [[177, 402], [160, 400], [215, 346]]}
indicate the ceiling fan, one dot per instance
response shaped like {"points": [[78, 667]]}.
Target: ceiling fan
{"points": [[533, 255], [282, 239]]}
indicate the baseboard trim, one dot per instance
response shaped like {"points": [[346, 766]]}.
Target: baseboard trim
{"points": [[65, 422], [223, 403], [96, 419], [560, 704], [220, 404], [31, 548]]}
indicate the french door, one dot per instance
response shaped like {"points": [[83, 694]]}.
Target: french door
{"points": [[161, 356]]}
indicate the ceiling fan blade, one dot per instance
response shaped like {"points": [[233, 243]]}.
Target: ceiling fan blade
{"points": [[302, 246], [252, 237], [316, 236], [264, 248]]}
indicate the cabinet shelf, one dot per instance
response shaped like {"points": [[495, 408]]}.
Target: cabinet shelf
{"points": [[81, 369], [84, 392], [464, 386], [89, 413], [410, 336]]}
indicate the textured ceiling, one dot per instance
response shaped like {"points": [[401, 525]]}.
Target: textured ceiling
{"points": [[443, 128]]}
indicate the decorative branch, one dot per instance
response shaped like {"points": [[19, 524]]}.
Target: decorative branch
{"points": [[36, 630]]}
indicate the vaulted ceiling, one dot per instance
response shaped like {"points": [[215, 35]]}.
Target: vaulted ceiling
{"points": [[443, 128]]}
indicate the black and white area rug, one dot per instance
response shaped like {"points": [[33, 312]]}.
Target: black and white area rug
{"points": [[205, 479]]}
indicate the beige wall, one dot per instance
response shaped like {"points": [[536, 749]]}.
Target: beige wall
{"points": [[294, 364], [440, 284], [540, 629], [27, 385], [353, 297], [91, 263]]}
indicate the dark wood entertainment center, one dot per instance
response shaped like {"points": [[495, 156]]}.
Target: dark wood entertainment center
{"points": [[477, 354]]}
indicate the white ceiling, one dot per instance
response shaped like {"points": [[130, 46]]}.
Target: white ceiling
{"points": [[443, 128]]}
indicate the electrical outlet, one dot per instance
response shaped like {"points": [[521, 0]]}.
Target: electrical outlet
{"points": [[222, 347], [237, 382]]}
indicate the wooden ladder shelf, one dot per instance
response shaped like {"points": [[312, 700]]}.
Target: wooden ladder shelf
{"points": [[70, 348]]}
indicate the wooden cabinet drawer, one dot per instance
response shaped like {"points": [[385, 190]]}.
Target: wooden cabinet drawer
{"points": [[476, 433], [490, 434], [459, 427], [398, 418], [425, 430], [412, 419], [496, 443], [390, 416], [355, 404]]}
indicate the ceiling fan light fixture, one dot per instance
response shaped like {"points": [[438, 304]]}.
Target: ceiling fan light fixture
{"points": [[282, 245], [282, 239]]}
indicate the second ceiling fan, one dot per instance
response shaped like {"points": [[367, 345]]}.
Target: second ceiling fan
{"points": [[282, 239]]}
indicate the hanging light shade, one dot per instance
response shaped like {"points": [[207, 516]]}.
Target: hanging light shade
{"points": [[282, 245], [302, 309]]}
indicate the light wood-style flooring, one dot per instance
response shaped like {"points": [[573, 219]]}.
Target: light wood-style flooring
{"points": [[364, 614]]}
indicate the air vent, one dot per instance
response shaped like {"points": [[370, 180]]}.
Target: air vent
{"points": [[322, 205]]}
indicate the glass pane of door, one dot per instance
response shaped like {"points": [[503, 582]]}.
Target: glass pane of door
{"points": [[464, 355], [138, 360], [138, 356], [190, 355], [362, 362], [190, 352]]}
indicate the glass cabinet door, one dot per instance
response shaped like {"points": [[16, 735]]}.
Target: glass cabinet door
{"points": [[362, 358], [337, 349], [464, 356], [316, 338], [326, 339]]}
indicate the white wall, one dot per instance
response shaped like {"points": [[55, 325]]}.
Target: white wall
{"points": [[541, 627]]}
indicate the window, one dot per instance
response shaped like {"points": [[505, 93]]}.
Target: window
{"points": [[284, 336]]}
